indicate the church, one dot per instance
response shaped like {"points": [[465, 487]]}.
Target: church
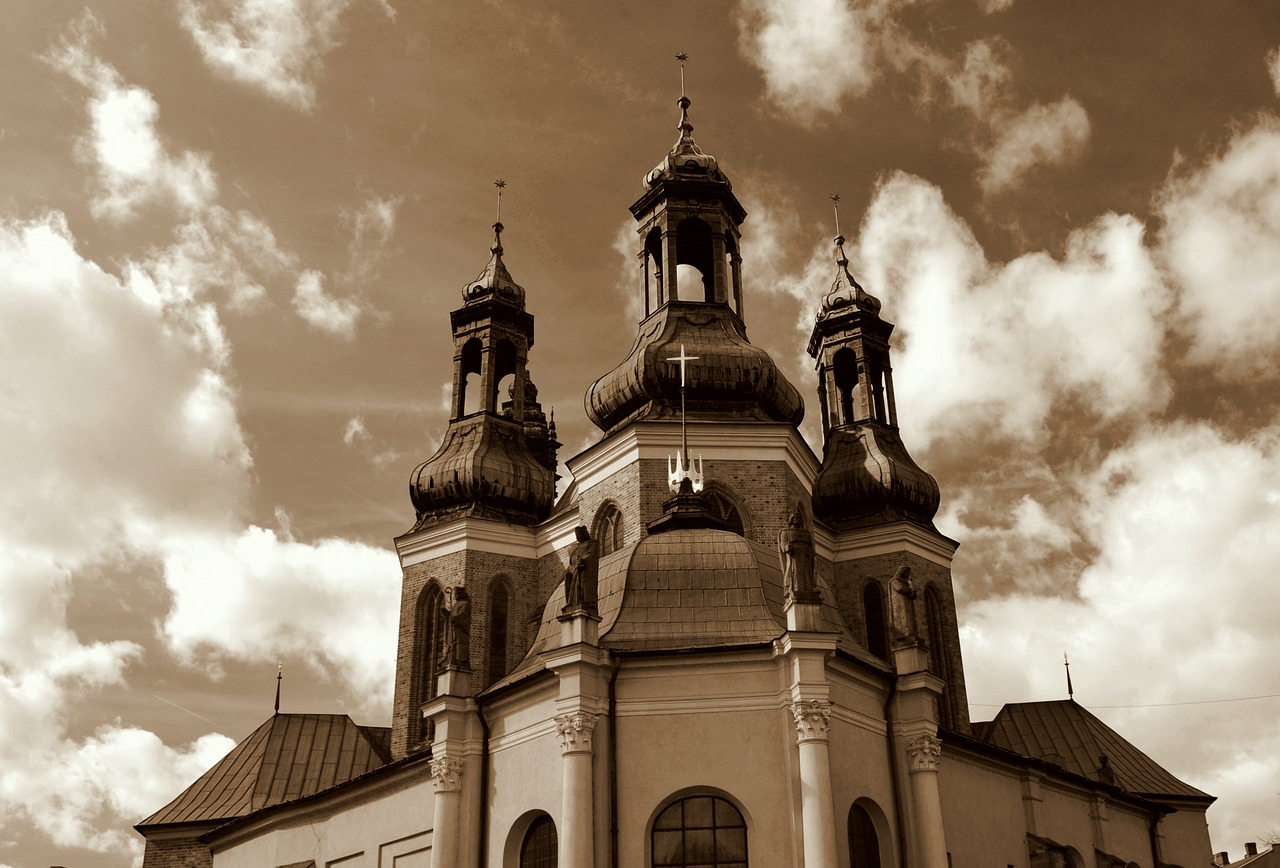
{"points": [[715, 648]]}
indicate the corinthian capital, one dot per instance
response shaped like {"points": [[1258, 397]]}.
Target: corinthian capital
{"points": [[924, 752], [447, 774], [813, 720], [575, 731]]}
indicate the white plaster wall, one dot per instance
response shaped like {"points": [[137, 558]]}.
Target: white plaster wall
{"points": [[387, 831], [983, 813]]}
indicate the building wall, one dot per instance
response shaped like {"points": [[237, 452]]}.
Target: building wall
{"points": [[391, 830]]}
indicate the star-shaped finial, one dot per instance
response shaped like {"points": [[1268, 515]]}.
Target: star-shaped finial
{"points": [[682, 57], [835, 206], [501, 185]]}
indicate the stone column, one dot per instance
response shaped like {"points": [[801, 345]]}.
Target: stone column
{"points": [[447, 774], [923, 753], [813, 724], [577, 821]]}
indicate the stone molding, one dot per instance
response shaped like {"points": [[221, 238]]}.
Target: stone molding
{"points": [[446, 772], [575, 731], [813, 720], [924, 752]]}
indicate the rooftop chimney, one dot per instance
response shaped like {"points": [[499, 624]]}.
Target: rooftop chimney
{"points": [[1220, 859], [1251, 848]]}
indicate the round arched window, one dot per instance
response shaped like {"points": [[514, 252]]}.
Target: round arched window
{"points": [[699, 831], [540, 848]]}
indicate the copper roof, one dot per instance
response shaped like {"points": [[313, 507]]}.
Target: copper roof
{"points": [[1066, 734], [287, 757]]}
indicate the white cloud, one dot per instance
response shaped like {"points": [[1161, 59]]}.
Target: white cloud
{"points": [[1221, 222], [813, 53], [134, 168], [355, 431], [372, 226], [1041, 135], [274, 46], [992, 348], [254, 596], [1273, 68], [322, 311], [983, 78]]}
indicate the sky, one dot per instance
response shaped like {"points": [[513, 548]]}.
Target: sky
{"points": [[231, 232]]}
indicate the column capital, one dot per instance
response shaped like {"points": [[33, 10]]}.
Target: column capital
{"points": [[575, 731], [446, 771], [924, 752], [813, 720]]}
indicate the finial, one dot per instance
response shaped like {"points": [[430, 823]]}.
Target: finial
{"points": [[835, 206], [497, 224], [279, 678], [683, 469], [1071, 693], [500, 184], [683, 58]]}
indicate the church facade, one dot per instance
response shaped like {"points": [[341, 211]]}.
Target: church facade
{"points": [[750, 657]]}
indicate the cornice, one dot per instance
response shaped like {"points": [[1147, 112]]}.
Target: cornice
{"points": [[713, 441], [485, 535], [892, 538]]}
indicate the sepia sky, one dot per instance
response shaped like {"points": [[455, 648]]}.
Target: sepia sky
{"points": [[231, 232]]}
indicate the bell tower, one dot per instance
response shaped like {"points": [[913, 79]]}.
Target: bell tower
{"points": [[892, 567]]}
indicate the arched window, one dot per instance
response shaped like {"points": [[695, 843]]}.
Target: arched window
{"points": [[693, 248], [699, 832], [939, 662], [468, 397], [864, 846], [540, 848], [430, 624], [608, 530], [844, 371], [499, 629], [873, 617], [725, 509], [504, 371]]}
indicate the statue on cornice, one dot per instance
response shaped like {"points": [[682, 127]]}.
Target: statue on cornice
{"points": [[457, 629], [902, 597], [795, 547], [580, 579]]}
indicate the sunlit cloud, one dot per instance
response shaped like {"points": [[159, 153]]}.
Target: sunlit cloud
{"points": [[276, 47], [1043, 135], [322, 311]]}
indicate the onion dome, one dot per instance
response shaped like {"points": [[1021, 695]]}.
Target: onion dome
{"points": [[729, 379], [846, 291], [867, 477], [483, 468], [686, 162]]}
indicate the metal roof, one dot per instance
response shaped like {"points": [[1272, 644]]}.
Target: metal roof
{"points": [[1068, 735], [287, 757]]}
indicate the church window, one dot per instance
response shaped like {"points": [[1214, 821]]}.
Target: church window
{"points": [[608, 532], [844, 368], [693, 249], [939, 662], [725, 509], [873, 617], [504, 372], [864, 846], [430, 636], [655, 295], [540, 848], [499, 628], [468, 399], [699, 832]]}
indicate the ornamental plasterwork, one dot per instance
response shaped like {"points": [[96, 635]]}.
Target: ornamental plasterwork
{"points": [[575, 731], [924, 752], [447, 773], [813, 719]]}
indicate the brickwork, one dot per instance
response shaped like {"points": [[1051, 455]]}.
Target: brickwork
{"points": [[177, 853], [852, 576]]}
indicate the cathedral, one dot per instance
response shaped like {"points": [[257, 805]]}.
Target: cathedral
{"points": [[713, 649]]}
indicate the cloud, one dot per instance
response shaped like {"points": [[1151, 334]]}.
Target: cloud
{"points": [[813, 53], [372, 227], [1273, 68], [355, 431], [1221, 220], [134, 168], [1050, 135], [274, 46], [322, 311], [995, 348], [983, 78], [254, 596]]}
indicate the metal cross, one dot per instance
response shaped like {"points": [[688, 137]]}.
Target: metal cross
{"points": [[682, 358]]}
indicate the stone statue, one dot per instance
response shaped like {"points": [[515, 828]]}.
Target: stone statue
{"points": [[795, 547], [457, 629], [902, 596], [583, 574]]}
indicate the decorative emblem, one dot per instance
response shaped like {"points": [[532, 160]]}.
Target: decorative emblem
{"points": [[575, 731], [813, 720]]}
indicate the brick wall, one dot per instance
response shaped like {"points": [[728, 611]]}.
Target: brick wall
{"points": [[177, 853]]}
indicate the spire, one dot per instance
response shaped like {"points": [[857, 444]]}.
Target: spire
{"points": [[1071, 693], [845, 290], [495, 279], [683, 470], [279, 678]]}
